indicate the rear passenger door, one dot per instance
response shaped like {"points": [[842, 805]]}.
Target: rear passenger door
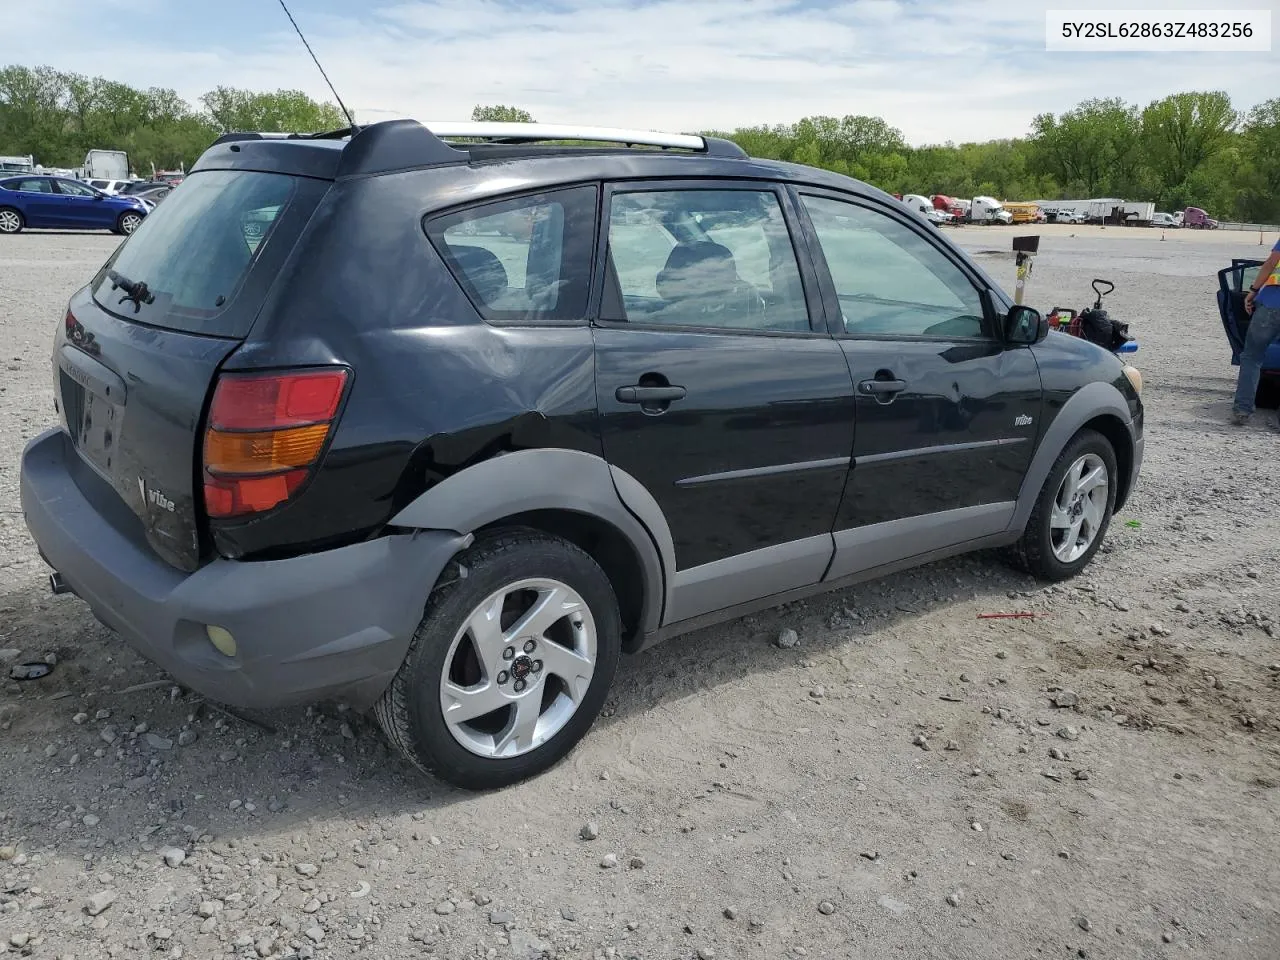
{"points": [[39, 203], [947, 412], [718, 386]]}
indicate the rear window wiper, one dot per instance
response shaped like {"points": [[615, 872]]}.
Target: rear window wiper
{"points": [[134, 292]]}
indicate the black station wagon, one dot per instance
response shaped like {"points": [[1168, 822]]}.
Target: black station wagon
{"points": [[440, 420]]}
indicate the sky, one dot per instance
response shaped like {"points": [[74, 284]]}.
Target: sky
{"points": [[938, 71]]}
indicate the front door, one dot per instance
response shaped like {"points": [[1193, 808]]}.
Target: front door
{"points": [[82, 206], [947, 413], [719, 389], [1232, 284]]}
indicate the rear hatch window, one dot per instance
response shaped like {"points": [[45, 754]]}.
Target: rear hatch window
{"points": [[139, 350], [186, 267]]}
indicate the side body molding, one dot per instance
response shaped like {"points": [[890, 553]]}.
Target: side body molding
{"points": [[552, 479], [1090, 401]]}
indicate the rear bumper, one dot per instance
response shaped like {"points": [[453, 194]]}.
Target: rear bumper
{"points": [[332, 624]]}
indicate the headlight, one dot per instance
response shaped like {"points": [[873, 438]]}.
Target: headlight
{"points": [[1134, 377]]}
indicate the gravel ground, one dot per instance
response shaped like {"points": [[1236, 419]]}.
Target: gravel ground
{"points": [[897, 782]]}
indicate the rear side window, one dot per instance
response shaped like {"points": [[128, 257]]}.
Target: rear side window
{"points": [[524, 260], [194, 251], [31, 186]]}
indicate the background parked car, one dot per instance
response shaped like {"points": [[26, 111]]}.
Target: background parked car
{"points": [[134, 187], [1167, 220], [153, 194], [109, 187], [56, 202]]}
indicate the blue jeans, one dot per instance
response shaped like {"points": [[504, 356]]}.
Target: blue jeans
{"points": [[1264, 327]]}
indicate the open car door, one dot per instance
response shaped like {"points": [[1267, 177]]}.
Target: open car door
{"points": [[1233, 281]]}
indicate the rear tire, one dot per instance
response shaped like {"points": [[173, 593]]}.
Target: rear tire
{"points": [[468, 657], [10, 220], [1069, 522]]}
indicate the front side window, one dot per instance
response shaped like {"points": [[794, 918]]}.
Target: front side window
{"points": [[891, 281], [71, 189], [704, 258], [524, 260]]}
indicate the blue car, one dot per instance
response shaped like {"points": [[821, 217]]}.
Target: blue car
{"points": [[1233, 281], [56, 202]]}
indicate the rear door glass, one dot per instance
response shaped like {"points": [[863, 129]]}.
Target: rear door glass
{"points": [[194, 252]]}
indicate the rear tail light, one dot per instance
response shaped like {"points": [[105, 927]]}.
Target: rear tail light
{"points": [[264, 437]]}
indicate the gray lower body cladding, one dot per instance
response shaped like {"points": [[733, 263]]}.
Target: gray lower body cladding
{"points": [[333, 624]]}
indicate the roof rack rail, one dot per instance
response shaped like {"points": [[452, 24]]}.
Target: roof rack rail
{"points": [[534, 132], [237, 136]]}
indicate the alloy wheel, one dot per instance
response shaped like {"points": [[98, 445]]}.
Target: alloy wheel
{"points": [[518, 669], [1079, 508]]}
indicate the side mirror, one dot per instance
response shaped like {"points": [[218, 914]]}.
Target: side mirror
{"points": [[1024, 326], [99, 196]]}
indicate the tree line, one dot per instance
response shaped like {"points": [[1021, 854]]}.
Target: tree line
{"points": [[1188, 149]]}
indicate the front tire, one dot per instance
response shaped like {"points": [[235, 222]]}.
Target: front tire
{"points": [[510, 664], [1073, 511], [10, 220], [128, 223]]}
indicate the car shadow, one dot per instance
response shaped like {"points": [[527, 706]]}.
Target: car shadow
{"points": [[110, 733], [52, 232]]}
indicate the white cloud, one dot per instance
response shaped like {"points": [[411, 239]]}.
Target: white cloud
{"points": [[967, 70]]}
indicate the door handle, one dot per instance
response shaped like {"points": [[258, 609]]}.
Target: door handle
{"points": [[882, 387], [638, 394]]}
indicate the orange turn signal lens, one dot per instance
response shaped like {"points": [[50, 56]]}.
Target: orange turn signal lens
{"points": [[266, 451]]}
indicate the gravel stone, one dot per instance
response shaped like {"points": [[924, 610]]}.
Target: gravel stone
{"points": [[608, 861], [99, 902], [173, 856], [826, 908], [1065, 698], [590, 830], [187, 737], [157, 742], [787, 639], [445, 907]]}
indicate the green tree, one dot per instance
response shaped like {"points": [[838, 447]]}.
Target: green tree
{"points": [[1091, 149], [1259, 173], [1182, 133], [280, 111], [500, 114]]}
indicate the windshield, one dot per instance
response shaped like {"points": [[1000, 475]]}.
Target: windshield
{"points": [[192, 253]]}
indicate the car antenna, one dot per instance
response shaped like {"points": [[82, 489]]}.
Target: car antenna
{"points": [[350, 119]]}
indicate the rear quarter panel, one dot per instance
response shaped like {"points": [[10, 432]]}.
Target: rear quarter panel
{"points": [[435, 388]]}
